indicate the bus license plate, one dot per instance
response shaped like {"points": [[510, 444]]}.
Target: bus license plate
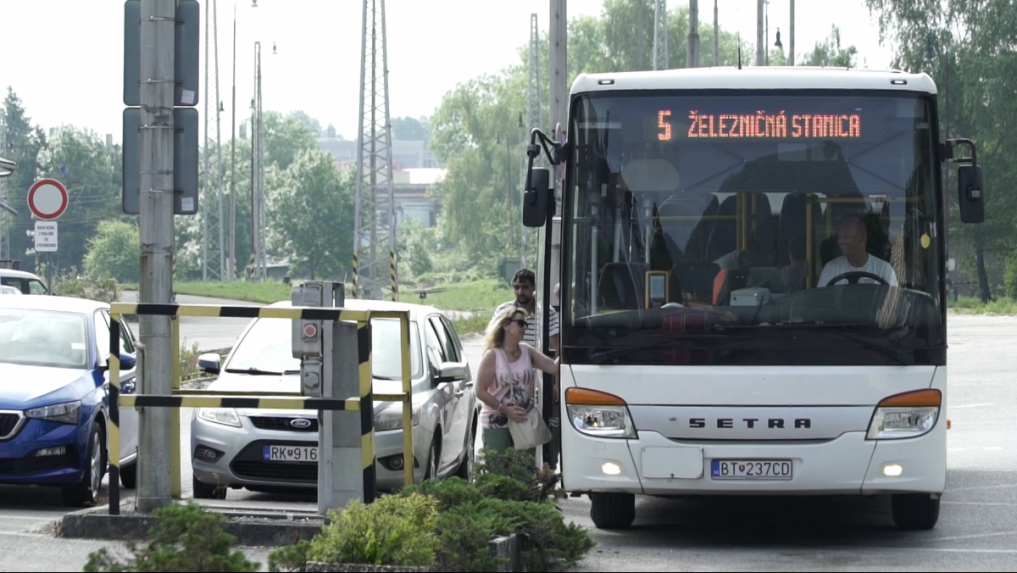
{"points": [[752, 470], [290, 454]]}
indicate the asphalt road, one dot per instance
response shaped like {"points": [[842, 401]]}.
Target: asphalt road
{"points": [[977, 529]]}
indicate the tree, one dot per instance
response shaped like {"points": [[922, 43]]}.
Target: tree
{"points": [[23, 145], [481, 194], [967, 47], [311, 214], [829, 53], [409, 128], [286, 137], [312, 124], [114, 251], [93, 176]]}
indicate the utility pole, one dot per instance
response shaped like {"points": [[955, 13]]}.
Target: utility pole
{"points": [[231, 270], [692, 53], [223, 260], [760, 40], [5, 233], [375, 225], [660, 54], [716, 34], [258, 218], [534, 110], [791, 41], [156, 226], [211, 216]]}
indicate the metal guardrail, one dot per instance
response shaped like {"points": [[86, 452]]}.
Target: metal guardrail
{"points": [[257, 400]]}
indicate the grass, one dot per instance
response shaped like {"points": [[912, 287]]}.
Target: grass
{"points": [[974, 305], [474, 324]]}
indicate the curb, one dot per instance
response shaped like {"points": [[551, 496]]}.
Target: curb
{"points": [[250, 530]]}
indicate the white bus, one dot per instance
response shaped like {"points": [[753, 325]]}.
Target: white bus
{"points": [[752, 271]]}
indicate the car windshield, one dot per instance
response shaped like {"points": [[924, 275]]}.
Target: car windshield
{"points": [[43, 338], [267, 347]]}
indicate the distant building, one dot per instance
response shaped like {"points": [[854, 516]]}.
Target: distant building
{"points": [[414, 171]]}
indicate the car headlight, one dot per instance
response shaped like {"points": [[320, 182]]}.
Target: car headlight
{"points": [[599, 414], [222, 416], [66, 413], [391, 418], [905, 416]]}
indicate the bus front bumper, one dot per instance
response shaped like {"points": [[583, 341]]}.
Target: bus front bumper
{"points": [[849, 465]]}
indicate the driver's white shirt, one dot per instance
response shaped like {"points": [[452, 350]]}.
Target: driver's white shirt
{"points": [[874, 265]]}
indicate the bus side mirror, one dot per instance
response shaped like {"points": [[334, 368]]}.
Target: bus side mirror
{"points": [[537, 197], [970, 194]]}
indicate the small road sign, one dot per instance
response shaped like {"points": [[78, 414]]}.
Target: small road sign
{"points": [[45, 236], [47, 199]]}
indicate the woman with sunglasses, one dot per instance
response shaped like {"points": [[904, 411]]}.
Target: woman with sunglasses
{"points": [[507, 377]]}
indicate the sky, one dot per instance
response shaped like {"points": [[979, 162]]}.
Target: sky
{"points": [[64, 58]]}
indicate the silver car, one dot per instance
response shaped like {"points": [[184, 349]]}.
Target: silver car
{"points": [[233, 448]]}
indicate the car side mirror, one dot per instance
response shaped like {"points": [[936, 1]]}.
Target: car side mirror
{"points": [[127, 362], [210, 363], [450, 372], [537, 197], [970, 193]]}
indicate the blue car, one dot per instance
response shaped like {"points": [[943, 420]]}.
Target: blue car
{"points": [[54, 396]]}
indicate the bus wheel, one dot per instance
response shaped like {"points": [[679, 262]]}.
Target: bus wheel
{"points": [[613, 510], [915, 512]]}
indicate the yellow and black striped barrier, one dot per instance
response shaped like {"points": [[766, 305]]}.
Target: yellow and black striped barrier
{"points": [[364, 403]]}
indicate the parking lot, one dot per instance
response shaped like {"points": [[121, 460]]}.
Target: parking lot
{"points": [[977, 529]]}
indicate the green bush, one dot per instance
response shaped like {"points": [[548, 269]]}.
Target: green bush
{"points": [[510, 495], [185, 538], [69, 283], [394, 530]]}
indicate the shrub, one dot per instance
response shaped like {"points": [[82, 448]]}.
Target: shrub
{"points": [[69, 283], [394, 530], [185, 538], [510, 495]]}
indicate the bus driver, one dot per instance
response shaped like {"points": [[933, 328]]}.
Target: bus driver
{"points": [[852, 237]]}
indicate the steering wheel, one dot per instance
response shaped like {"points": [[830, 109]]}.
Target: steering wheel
{"points": [[856, 275]]}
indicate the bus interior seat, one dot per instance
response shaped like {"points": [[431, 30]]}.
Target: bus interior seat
{"points": [[622, 286], [793, 220], [696, 280]]}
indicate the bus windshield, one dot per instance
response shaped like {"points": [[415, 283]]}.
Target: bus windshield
{"points": [[765, 227]]}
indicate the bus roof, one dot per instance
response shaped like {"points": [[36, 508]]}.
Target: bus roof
{"points": [[770, 77]]}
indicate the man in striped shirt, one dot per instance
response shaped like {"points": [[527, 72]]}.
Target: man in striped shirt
{"points": [[524, 283]]}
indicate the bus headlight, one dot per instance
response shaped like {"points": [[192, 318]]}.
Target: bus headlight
{"points": [[906, 415], [599, 414]]}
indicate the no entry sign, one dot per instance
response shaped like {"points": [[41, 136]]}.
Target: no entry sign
{"points": [[47, 199]]}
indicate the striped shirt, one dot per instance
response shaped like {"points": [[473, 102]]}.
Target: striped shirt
{"points": [[534, 328]]}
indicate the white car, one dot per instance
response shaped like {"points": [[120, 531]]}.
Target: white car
{"points": [[4, 289], [25, 282], [241, 448]]}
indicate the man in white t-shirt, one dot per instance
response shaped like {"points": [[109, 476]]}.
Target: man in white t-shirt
{"points": [[852, 237]]}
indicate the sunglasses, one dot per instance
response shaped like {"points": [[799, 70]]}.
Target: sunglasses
{"points": [[522, 323]]}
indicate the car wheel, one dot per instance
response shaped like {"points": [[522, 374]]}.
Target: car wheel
{"points": [[432, 462], [86, 492], [203, 490], [613, 510], [129, 476], [465, 470], [915, 512]]}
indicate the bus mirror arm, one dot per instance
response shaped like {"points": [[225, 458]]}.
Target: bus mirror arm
{"points": [[970, 190], [537, 199]]}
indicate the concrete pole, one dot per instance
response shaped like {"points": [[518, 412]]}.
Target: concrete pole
{"points": [[760, 39], [716, 34], [692, 53], [156, 225], [791, 40]]}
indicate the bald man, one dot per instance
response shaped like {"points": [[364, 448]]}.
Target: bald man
{"points": [[852, 237]]}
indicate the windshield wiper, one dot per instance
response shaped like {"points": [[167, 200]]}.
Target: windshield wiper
{"points": [[258, 372], [902, 355]]}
